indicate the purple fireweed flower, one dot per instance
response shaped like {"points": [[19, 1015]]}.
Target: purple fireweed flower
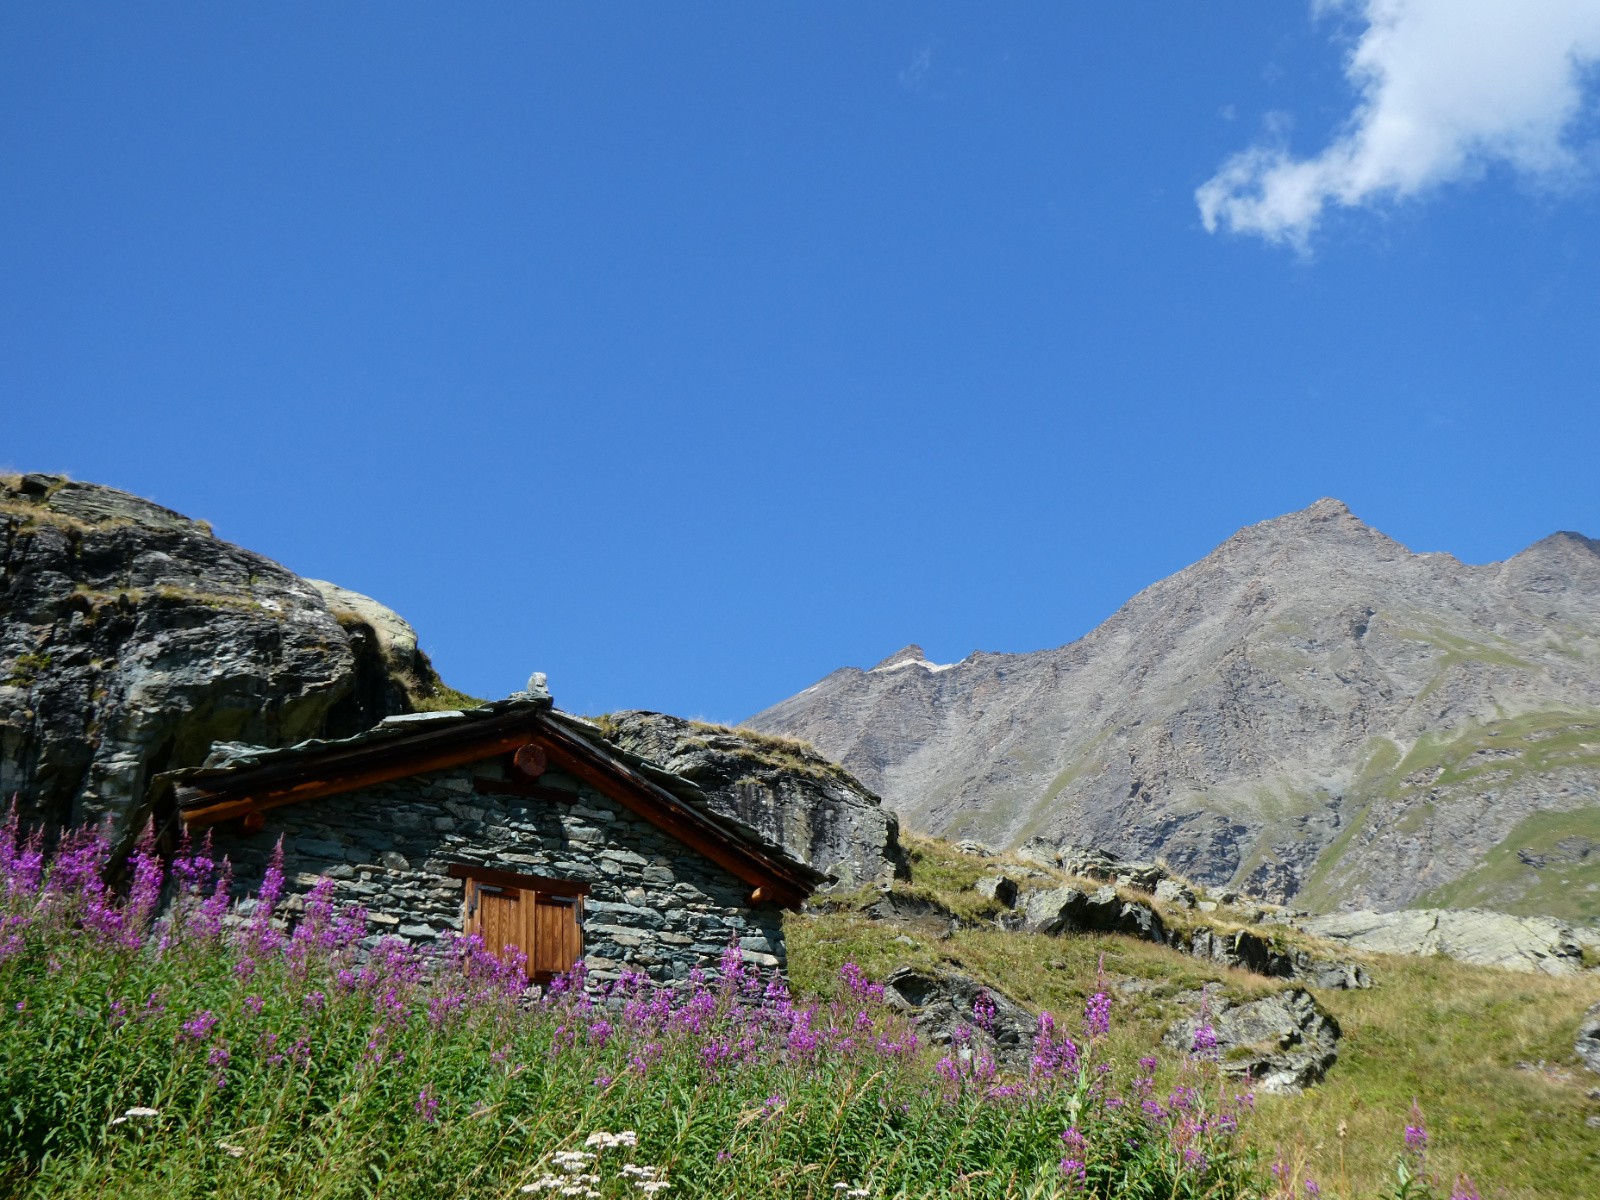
{"points": [[603, 1081], [1312, 1189], [984, 1011], [218, 1057], [1074, 1139], [1074, 1170], [1053, 1057], [199, 1027], [1416, 1131], [1205, 1041], [599, 1033], [859, 985], [1195, 1160], [1464, 1189], [641, 1062], [427, 1104], [314, 1001], [1097, 1015]]}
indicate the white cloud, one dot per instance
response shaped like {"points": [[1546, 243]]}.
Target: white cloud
{"points": [[915, 73], [1446, 88]]}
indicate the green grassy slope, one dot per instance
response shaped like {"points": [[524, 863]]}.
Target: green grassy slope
{"points": [[1451, 1036]]}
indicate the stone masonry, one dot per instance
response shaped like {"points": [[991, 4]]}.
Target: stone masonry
{"points": [[654, 906]]}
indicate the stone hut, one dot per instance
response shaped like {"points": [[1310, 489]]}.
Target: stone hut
{"points": [[512, 821]]}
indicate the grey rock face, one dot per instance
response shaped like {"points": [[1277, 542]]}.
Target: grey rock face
{"points": [[131, 639], [1063, 910], [1490, 939], [1000, 888], [1285, 1043], [810, 806], [1310, 711], [1072, 910], [1588, 1044], [943, 1005]]}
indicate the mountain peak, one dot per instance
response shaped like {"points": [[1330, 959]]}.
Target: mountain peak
{"points": [[911, 654], [1327, 509]]}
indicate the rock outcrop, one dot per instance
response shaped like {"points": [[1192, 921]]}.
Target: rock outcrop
{"points": [[944, 1005], [1587, 1045], [810, 806], [1282, 1043], [1311, 712], [1489, 939], [1069, 909], [131, 639]]}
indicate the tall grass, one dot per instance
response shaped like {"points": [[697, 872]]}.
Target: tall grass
{"points": [[167, 1043]]}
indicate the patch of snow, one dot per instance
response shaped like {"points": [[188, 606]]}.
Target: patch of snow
{"points": [[912, 662]]}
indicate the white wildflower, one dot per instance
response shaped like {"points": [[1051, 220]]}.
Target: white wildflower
{"points": [[231, 1150], [142, 1112], [651, 1186]]}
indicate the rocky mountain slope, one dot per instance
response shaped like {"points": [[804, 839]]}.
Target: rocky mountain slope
{"points": [[1311, 712]]}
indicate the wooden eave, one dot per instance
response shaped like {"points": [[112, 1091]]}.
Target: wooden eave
{"points": [[202, 802]]}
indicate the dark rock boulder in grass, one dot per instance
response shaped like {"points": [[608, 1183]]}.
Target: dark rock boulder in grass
{"points": [[1072, 910], [945, 1006], [131, 638], [1282, 1043], [1063, 910], [810, 806], [1587, 1046]]}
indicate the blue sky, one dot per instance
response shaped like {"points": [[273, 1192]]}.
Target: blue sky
{"points": [[689, 352]]}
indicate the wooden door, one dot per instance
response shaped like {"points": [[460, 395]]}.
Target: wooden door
{"points": [[497, 915], [557, 934]]}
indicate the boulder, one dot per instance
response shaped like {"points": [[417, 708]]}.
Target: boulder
{"points": [[1091, 863], [1282, 1043], [1533, 944], [813, 808], [1040, 852], [942, 1003], [1088, 863], [1072, 910], [1588, 1043], [132, 638], [1000, 888], [976, 849], [1251, 952], [917, 912], [1170, 891]]}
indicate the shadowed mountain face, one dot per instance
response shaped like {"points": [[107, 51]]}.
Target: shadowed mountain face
{"points": [[1311, 711]]}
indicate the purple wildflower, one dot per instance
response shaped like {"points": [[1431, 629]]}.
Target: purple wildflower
{"points": [[1097, 1015], [427, 1104], [198, 1028]]}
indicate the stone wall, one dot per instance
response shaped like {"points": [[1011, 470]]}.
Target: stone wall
{"points": [[654, 905]]}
